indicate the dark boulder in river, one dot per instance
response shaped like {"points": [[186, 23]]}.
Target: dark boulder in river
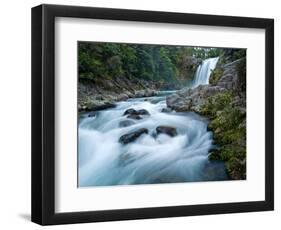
{"points": [[92, 114], [126, 123], [130, 111], [168, 130], [104, 106], [143, 112], [166, 110], [136, 112], [130, 137], [134, 116]]}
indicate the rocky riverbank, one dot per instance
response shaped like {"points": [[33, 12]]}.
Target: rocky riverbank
{"points": [[223, 101], [104, 95]]}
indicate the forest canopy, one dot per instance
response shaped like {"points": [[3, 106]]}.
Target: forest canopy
{"points": [[148, 62]]}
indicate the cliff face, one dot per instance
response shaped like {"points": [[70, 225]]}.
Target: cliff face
{"points": [[223, 101]]}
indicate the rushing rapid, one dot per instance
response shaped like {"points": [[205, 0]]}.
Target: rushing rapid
{"points": [[151, 158]]}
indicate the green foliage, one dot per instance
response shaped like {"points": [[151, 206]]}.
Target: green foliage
{"points": [[216, 103], [216, 75], [230, 55], [166, 67], [241, 70], [114, 64], [229, 134], [149, 62], [227, 120], [205, 53], [237, 168], [239, 53]]}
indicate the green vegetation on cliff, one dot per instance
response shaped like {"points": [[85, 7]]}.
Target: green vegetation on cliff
{"points": [[161, 63], [228, 124], [230, 55], [216, 75], [227, 112]]}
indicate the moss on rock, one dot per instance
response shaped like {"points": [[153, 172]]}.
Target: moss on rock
{"points": [[215, 104], [241, 71], [216, 75], [229, 135]]}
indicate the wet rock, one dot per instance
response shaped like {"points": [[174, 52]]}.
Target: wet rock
{"points": [[134, 116], [130, 111], [166, 110], [131, 137], [134, 113], [150, 93], [103, 106], [92, 114], [168, 130], [145, 93], [129, 94], [93, 104], [143, 112], [126, 123], [122, 97], [98, 106], [189, 99]]}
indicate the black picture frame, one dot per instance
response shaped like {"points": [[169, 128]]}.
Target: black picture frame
{"points": [[43, 114]]}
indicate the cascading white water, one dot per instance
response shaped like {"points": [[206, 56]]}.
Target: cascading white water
{"points": [[204, 71], [149, 159]]}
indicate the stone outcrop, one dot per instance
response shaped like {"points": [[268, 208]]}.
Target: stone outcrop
{"points": [[229, 77], [136, 114], [168, 130], [192, 99], [131, 137]]}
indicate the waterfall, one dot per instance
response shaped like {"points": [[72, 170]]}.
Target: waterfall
{"points": [[203, 72]]}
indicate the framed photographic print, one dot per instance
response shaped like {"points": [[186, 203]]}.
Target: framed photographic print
{"points": [[141, 114]]}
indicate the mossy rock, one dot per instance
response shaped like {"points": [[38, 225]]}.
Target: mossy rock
{"points": [[228, 133], [236, 168], [216, 75], [216, 103], [241, 71], [214, 155]]}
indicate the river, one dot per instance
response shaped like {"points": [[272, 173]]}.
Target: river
{"points": [[151, 158]]}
